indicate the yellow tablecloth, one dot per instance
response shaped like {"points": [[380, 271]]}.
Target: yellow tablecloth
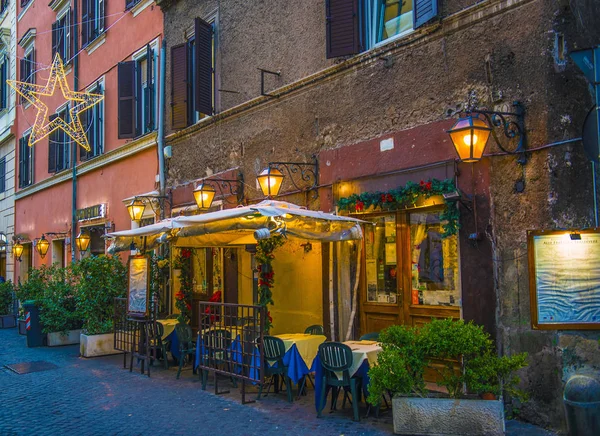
{"points": [[361, 351], [308, 345], [234, 329], [168, 326]]}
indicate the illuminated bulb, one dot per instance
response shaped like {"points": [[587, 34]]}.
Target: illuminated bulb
{"points": [[467, 140]]}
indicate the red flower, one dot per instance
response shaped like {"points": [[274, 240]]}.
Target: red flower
{"points": [[179, 295], [269, 316], [185, 253], [389, 198], [383, 198], [189, 306], [216, 297], [422, 183], [360, 206], [428, 186]]}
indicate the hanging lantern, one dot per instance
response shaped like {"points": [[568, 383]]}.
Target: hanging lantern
{"points": [[136, 209], [204, 195], [270, 180], [17, 250], [469, 136], [82, 241], [42, 246]]}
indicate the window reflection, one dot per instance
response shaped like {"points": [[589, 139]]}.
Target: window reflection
{"points": [[381, 260]]}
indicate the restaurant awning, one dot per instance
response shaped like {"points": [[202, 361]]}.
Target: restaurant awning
{"points": [[238, 226]]}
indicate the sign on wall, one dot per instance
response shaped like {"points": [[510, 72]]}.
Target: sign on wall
{"points": [[91, 213], [564, 277], [138, 286]]}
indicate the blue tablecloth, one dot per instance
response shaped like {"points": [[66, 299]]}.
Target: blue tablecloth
{"points": [[174, 344], [362, 372]]}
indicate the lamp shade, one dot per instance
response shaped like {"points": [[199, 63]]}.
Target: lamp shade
{"points": [[270, 180], [82, 241], [17, 250], [204, 195], [42, 246], [136, 209], [469, 136]]}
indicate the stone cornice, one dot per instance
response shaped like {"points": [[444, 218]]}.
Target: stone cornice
{"points": [[444, 27], [103, 160]]}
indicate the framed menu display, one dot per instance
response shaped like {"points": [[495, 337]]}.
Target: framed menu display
{"points": [[564, 279], [138, 286]]}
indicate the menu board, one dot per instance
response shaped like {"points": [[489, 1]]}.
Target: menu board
{"points": [[565, 279], [138, 286]]}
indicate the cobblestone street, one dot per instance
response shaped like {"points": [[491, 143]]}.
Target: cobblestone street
{"points": [[99, 397]]}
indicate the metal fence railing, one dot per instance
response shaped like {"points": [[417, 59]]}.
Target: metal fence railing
{"points": [[230, 342]]}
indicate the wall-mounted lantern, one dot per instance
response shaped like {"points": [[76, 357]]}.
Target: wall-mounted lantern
{"points": [[302, 175], [208, 189], [204, 195], [42, 246], [82, 241], [17, 250]]}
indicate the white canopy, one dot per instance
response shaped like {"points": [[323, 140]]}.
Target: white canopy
{"points": [[237, 227]]}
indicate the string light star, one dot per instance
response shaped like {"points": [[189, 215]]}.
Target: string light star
{"points": [[80, 102]]}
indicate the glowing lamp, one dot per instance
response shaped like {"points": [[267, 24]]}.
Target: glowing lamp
{"points": [[17, 250], [136, 209], [42, 246], [469, 136], [204, 195], [82, 241], [270, 180]]}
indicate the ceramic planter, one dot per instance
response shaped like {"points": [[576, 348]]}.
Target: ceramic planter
{"points": [[447, 416], [97, 345], [7, 321], [69, 337]]}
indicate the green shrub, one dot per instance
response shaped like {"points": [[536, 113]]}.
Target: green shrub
{"points": [[58, 309], [33, 288], [6, 298], [407, 351], [99, 279]]}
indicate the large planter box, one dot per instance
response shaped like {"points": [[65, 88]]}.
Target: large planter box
{"points": [[97, 345], [7, 321], [70, 337], [22, 327], [447, 416]]}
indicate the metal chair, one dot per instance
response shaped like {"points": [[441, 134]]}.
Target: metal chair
{"points": [[337, 357], [373, 336], [187, 347], [314, 330], [215, 351], [155, 332], [274, 350]]}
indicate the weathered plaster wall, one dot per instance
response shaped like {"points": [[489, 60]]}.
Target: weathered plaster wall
{"points": [[497, 49]]}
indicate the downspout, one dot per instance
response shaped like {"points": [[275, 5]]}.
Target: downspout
{"points": [[161, 124], [74, 146]]}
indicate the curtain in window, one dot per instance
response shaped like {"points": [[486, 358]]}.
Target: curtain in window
{"points": [[371, 15]]}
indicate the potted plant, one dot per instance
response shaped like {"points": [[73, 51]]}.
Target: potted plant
{"points": [[470, 369], [99, 280], [7, 295]]}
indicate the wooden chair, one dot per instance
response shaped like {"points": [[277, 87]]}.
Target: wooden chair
{"points": [[337, 357], [274, 350], [187, 346]]}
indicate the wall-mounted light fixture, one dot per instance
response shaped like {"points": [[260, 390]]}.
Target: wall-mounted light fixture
{"points": [[138, 205], [82, 241], [303, 176], [17, 250], [471, 132], [42, 246], [206, 191]]}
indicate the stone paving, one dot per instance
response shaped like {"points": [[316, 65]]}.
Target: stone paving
{"points": [[98, 397]]}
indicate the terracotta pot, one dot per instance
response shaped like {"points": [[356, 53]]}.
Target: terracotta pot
{"points": [[488, 396]]}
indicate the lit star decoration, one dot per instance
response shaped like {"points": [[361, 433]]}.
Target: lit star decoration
{"points": [[82, 101]]}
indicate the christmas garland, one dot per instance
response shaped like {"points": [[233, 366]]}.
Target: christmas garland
{"points": [[183, 298], [402, 197], [264, 258]]}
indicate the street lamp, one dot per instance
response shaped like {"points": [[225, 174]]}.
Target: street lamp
{"points": [[270, 180], [42, 246], [82, 241], [469, 136], [136, 209], [204, 195], [17, 250]]}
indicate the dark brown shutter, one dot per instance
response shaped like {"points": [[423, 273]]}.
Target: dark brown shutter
{"points": [[52, 147], [54, 38], [85, 24], [126, 80], [424, 11], [129, 4], [149, 100], [342, 28], [203, 51], [21, 156], [179, 68], [32, 68]]}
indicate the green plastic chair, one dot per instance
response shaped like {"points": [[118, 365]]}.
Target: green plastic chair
{"points": [[373, 336], [314, 330], [337, 357], [187, 347], [155, 331], [216, 344], [274, 349]]}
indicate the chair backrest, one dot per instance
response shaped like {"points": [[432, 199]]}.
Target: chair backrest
{"points": [[216, 340], [184, 335], [155, 330], [274, 348], [373, 336], [314, 330], [172, 316], [335, 356]]}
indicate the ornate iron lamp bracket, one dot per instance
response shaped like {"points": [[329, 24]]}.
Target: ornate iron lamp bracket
{"points": [[226, 188], [161, 199], [304, 176]]}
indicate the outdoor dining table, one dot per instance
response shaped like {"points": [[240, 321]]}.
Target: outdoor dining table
{"points": [[169, 334], [364, 355], [300, 353], [234, 348]]}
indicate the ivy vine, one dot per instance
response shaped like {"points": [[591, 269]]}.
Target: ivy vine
{"points": [[266, 275], [183, 298], [403, 197]]}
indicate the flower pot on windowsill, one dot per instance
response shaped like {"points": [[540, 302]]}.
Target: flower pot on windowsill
{"points": [[7, 321]]}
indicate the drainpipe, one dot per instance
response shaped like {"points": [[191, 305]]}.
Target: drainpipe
{"points": [[161, 125], [74, 146]]}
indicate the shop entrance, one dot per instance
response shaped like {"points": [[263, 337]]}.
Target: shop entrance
{"points": [[410, 271]]}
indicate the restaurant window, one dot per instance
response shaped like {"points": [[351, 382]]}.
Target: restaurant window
{"points": [[92, 20], [207, 270], [59, 144], [193, 76], [61, 35], [26, 164], [4, 90], [93, 125], [381, 260], [434, 262], [354, 26]]}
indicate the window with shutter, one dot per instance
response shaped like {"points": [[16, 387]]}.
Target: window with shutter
{"points": [[3, 85], [52, 142], [3, 174], [425, 10], [93, 125], [26, 154], [203, 34], [179, 86], [342, 27], [131, 3], [85, 23], [126, 92], [20, 168]]}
